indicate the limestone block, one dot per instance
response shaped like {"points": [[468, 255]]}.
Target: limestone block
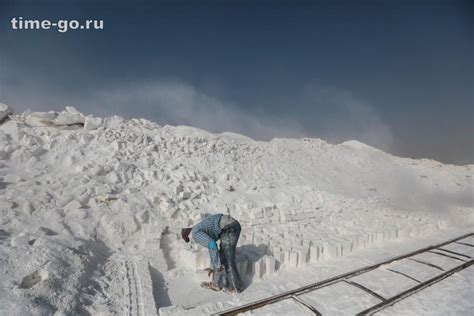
{"points": [[306, 243], [92, 123], [269, 265], [261, 221], [293, 259], [314, 253], [268, 213], [273, 242], [69, 117], [393, 233], [285, 211], [287, 253], [310, 215], [305, 254], [178, 189], [299, 216], [189, 258], [40, 118], [256, 213], [356, 240], [258, 268], [184, 195], [346, 247], [274, 220], [19, 240], [379, 236], [302, 256], [404, 232], [330, 250]]}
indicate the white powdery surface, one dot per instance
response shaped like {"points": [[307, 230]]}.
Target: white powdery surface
{"points": [[91, 210]]}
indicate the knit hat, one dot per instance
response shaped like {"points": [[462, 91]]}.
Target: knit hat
{"points": [[185, 233]]}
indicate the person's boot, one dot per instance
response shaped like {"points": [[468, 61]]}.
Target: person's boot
{"points": [[210, 286]]}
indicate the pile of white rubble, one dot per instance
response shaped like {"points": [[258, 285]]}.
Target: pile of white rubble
{"points": [[91, 208]]}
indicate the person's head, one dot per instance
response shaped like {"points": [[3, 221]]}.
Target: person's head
{"points": [[185, 233]]}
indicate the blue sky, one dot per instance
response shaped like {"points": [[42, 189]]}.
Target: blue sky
{"points": [[395, 74]]}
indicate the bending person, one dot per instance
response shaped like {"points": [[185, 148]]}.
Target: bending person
{"points": [[223, 267]]}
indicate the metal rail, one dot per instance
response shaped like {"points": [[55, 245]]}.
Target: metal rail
{"points": [[446, 255], [311, 308], [454, 253], [426, 264], [366, 289], [464, 243], [314, 286], [376, 308], [404, 274]]}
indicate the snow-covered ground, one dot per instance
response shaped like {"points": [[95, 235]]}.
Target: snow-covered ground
{"points": [[91, 210]]}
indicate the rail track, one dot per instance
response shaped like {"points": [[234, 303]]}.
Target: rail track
{"points": [[463, 261]]}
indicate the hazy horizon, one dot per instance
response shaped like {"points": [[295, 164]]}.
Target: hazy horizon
{"points": [[397, 75]]}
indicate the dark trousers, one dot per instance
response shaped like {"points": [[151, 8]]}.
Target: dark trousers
{"points": [[229, 278]]}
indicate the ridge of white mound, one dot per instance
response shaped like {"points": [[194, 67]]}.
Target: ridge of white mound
{"points": [[96, 204], [357, 145], [5, 111]]}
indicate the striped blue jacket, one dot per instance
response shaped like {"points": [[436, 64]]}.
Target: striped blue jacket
{"points": [[206, 231]]}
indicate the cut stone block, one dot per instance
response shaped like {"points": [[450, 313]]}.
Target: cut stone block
{"points": [[194, 259], [19, 240], [293, 259], [357, 241], [256, 213], [285, 211], [184, 195], [314, 253], [92, 123], [299, 217], [287, 257], [287, 218], [404, 232], [258, 268], [330, 250], [263, 266], [302, 256], [346, 247], [261, 221], [268, 213], [279, 256], [269, 265], [178, 189]]}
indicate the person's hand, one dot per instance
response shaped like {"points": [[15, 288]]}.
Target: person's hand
{"points": [[212, 245]]}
